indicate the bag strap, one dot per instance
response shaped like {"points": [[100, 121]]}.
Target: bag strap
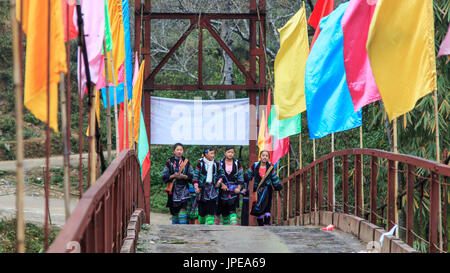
{"points": [[265, 176]]}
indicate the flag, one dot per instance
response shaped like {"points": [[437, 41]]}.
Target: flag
{"points": [[262, 133], [355, 26], [321, 9], [121, 129], [118, 48], [286, 127], [143, 149], [289, 92], [137, 100], [445, 46], [329, 105], [280, 149], [36, 18], [128, 54], [94, 31], [402, 53], [68, 8]]}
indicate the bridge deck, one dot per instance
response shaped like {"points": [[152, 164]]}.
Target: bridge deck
{"points": [[240, 239]]}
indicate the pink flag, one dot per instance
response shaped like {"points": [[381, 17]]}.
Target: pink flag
{"points": [[136, 69], [360, 79], [94, 30], [445, 46]]}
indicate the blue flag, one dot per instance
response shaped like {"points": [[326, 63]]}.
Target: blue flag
{"points": [[329, 104], [128, 54]]}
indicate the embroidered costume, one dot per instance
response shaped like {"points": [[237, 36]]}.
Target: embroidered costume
{"points": [[261, 208], [233, 177], [178, 199], [206, 175]]}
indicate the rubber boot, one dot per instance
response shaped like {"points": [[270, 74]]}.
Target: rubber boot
{"points": [[225, 220], [233, 219], [210, 220], [201, 220], [174, 219], [183, 217]]}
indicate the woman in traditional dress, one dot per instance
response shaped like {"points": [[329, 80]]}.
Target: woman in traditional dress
{"points": [[233, 181], [177, 174], [263, 203], [207, 180]]}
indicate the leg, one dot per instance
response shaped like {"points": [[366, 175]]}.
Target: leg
{"points": [[260, 220], [182, 217], [267, 219]]}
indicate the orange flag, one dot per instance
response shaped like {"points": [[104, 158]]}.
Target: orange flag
{"points": [[38, 18], [137, 101]]}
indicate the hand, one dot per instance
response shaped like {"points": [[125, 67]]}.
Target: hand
{"points": [[197, 190], [237, 191], [244, 191], [224, 187], [218, 184]]}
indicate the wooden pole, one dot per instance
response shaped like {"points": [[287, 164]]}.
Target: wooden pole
{"points": [[67, 115], [18, 86], [362, 169], [47, 134], [116, 118], [333, 172], [300, 150], [91, 138], [66, 152], [314, 149], [438, 153], [288, 186], [395, 139], [108, 109]]}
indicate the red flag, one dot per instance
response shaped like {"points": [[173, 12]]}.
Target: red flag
{"points": [[121, 119], [321, 9], [68, 7], [280, 147], [268, 139]]}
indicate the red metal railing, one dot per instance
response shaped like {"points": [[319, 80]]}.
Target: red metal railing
{"points": [[99, 222], [304, 191]]}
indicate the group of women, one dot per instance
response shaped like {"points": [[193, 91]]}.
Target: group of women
{"points": [[210, 192]]}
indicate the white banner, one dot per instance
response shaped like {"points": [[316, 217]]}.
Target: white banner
{"points": [[200, 122]]}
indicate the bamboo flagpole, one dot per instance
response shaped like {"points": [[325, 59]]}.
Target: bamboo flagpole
{"points": [[47, 135], [438, 159], [66, 152], [314, 150], [333, 172], [395, 139], [91, 98], [362, 169], [18, 87], [116, 119], [108, 109], [67, 108]]}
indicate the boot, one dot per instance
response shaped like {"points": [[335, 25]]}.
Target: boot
{"points": [[233, 219], [201, 220], [210, 220], [183, 217], [267, 220], [260, 221], [225, 220]]}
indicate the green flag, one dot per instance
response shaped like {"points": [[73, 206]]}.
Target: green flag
{"points": [[143, 149], [286, 127], [107, 30]]}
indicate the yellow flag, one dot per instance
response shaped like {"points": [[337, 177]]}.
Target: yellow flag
{"points": [[137, 101], [290, 64], [261, 134], [402, 53], [39, 66], [117, 35]]}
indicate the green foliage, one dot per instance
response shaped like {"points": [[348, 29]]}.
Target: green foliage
{"points": [[34, 236]]}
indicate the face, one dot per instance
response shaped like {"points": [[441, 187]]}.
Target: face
{"points": [[229, 154], [210, 155], [178, 152], [264, 157]]}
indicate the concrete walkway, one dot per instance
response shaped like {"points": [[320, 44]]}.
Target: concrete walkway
{"points": [[240, 239]]}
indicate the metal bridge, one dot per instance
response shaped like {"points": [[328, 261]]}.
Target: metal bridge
{"points": [[354, 189]]}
